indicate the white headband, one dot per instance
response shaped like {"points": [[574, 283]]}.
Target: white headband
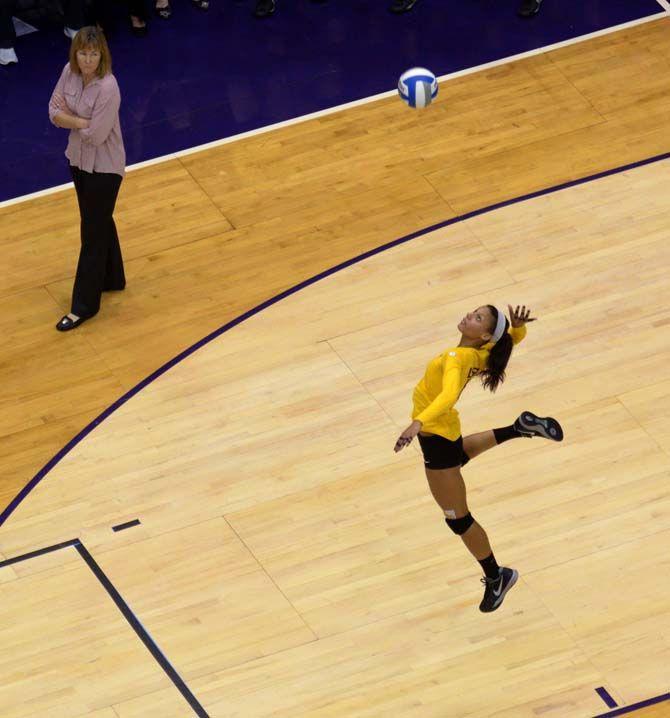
{"points": [[500, 326]]}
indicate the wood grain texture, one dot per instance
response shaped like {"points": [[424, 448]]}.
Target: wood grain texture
{"points": [[290, 563], [211, 235]]}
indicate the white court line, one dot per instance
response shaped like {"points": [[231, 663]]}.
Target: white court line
{"points": [[331, 110]]}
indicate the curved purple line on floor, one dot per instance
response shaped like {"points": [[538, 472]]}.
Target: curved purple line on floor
{"points": [[286, 293]]}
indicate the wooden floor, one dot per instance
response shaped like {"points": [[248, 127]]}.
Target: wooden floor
{"points": [[288, 562]]}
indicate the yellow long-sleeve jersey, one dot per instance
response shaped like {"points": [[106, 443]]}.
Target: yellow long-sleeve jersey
{"points": [[445, 378]]}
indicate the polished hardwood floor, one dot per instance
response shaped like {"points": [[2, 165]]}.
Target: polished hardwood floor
{"points": [[209, 236], [311, 555]]}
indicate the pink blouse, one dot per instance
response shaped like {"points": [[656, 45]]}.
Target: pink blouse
{"points": [[100, 147]]}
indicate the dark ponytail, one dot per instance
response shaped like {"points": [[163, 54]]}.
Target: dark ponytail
{"points": [[494, 374]]}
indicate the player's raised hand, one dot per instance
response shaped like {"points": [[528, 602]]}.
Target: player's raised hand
{"points": [[519, 317]]}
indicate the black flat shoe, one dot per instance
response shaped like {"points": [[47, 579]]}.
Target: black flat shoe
{"points": [[65, 324], [399, 6], [264, 8], [529, 8]]}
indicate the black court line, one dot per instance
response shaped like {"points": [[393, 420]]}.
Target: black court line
{"points": [[127, 525], [141, 631], [132, 619], [39, 552], [636, 706], [609, 701], [169, 669]]}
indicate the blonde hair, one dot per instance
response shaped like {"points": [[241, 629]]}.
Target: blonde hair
{"points": [[93, 38]]}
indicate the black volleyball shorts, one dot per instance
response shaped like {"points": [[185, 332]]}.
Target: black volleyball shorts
{"points": [[441, 453]]}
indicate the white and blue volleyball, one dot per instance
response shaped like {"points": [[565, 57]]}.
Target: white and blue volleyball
{"points": [[417, 87]]}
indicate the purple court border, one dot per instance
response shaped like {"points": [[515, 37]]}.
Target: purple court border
{"points": [[13, 505], [629, 709]]}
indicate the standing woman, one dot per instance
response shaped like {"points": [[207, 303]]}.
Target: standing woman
{"points": [[86, 101], [484, 350]]}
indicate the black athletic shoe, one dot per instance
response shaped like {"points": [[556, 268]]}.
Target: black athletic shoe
{"points": [[399, 6], [264, 8], [528, 8], [496, 589], [530, 425]]}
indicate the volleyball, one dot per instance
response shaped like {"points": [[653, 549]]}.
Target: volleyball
{"points": [[417, 87]]}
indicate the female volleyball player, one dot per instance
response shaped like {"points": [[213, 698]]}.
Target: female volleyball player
{"points": [[484, 350]]}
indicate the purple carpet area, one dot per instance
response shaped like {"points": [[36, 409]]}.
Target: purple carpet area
{"points": [[202, 76]]}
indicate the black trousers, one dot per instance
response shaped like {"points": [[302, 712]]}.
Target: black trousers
{"points": [[100, 264]]}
